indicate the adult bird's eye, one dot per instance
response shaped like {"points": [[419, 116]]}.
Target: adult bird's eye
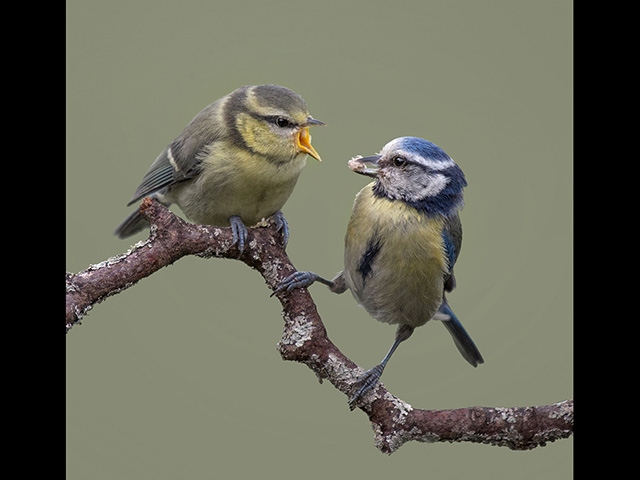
{"points": [[282, 122], [399, 161]]}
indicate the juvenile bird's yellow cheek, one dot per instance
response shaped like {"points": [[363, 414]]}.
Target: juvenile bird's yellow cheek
{"points": [[261, 139]]}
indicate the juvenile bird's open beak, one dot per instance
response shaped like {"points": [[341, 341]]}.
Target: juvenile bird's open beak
{"points": [[368, 166], [304, 143], [304, 139]]}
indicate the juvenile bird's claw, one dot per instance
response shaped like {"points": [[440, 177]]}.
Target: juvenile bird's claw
{"points": [[282, 224], [365, 383], [297, 280], [239, 232]]}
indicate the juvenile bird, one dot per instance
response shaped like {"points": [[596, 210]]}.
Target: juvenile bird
{"points": [[235, 163], [402, 241]]}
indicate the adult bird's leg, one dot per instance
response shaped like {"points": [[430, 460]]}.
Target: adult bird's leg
{"points": [[306, 279], [371, 376]]}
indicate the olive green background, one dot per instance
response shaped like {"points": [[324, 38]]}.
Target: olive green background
{"points": [[179, 377]]}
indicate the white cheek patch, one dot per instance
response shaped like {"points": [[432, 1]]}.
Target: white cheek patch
{"points": [[429, 187], [436, 184]]}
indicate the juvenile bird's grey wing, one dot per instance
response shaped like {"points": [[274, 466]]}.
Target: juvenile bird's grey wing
{"points": [[452, 238], [181, 159]]}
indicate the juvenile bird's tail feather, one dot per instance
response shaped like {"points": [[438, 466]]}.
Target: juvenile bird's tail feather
{"points": [[460, 336], [131, 225]]}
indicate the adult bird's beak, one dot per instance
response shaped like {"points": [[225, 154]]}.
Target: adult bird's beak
{"points": [[304, 139], [368, 166]]}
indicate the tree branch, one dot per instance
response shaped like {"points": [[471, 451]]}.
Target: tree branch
{"points": [[305, 338]]}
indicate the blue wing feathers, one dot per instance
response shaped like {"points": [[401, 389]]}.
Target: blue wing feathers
{"points": [[449, 248]]}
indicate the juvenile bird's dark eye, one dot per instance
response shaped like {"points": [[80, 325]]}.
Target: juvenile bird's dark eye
{"points": [[282, 122], [399, 161]]}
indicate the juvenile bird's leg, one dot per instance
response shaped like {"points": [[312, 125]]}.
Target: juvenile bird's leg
{"points": [[239, 232], [306, 279], [371, 376], [282, 224]]}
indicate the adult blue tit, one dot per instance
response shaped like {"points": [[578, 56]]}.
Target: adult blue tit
{"points": [[403, 239], [235, 163]]}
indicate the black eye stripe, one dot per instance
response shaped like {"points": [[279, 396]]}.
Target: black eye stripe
{"points": [[280, 121], [273, 119]]}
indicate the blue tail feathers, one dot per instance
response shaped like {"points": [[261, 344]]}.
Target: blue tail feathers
{"points": [[460, 336]]}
